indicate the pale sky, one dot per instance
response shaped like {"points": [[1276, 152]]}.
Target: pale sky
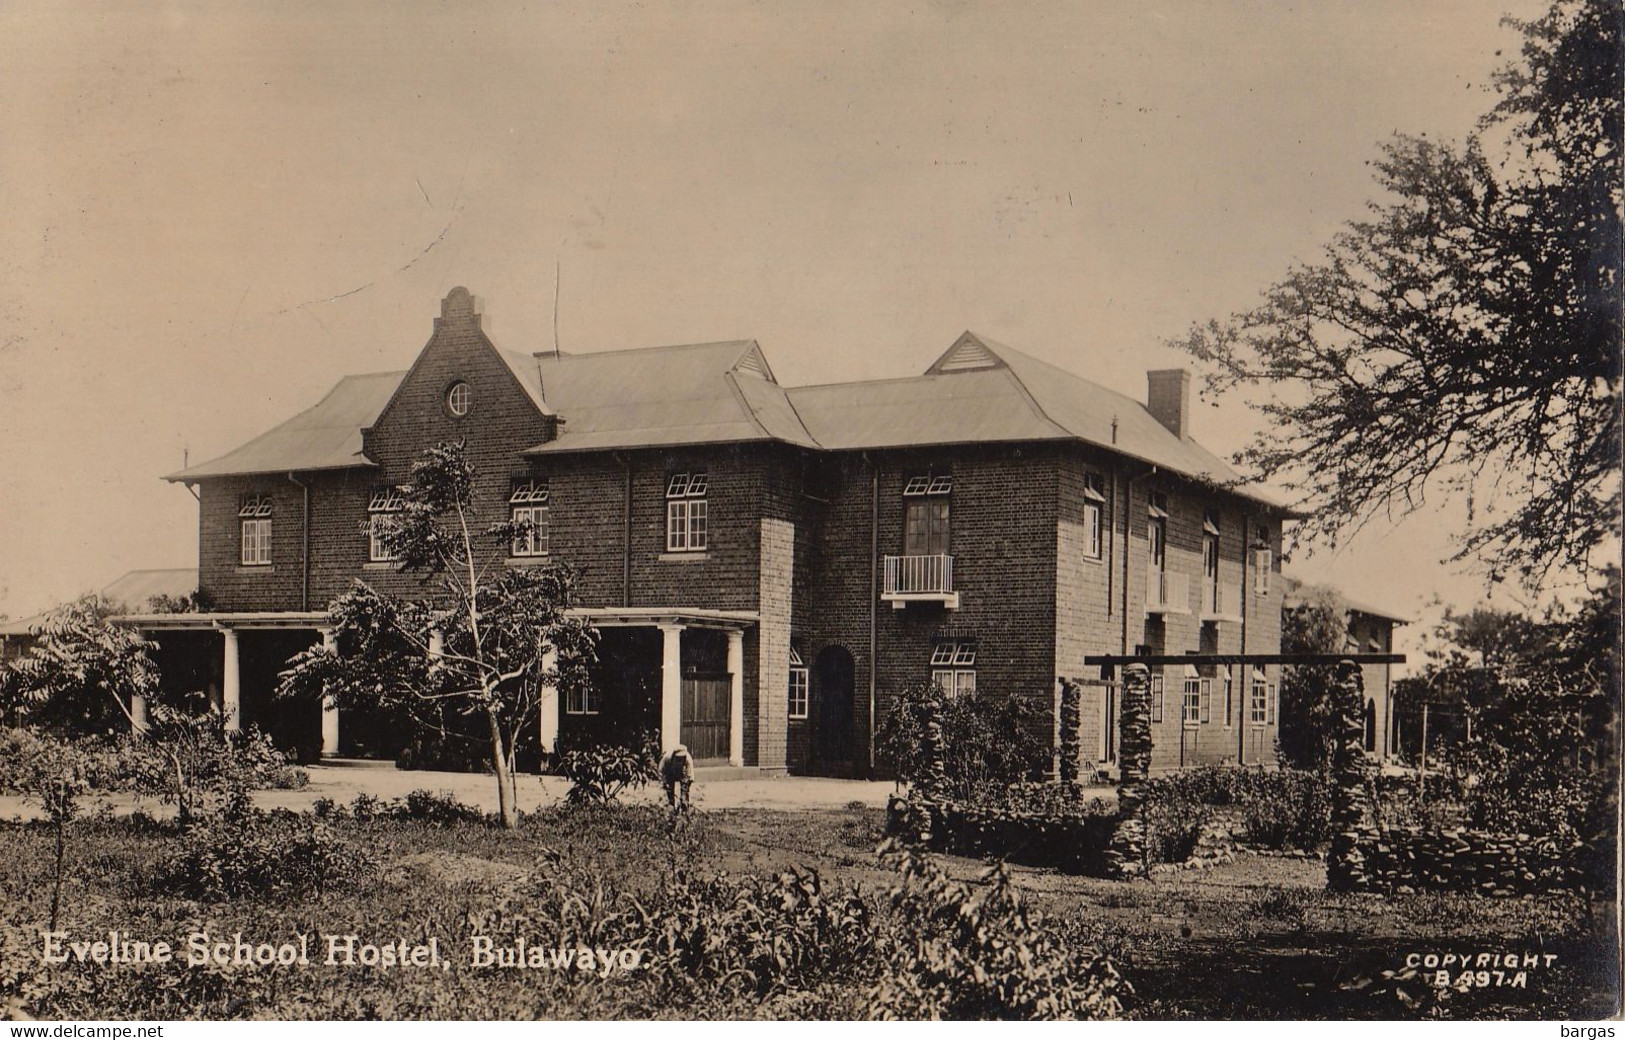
{"points": [[215, 211]]}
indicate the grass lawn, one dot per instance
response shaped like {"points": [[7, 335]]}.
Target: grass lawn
{"points": [[1256, 938]]}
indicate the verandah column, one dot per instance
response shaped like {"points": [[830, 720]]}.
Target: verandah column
{"points": [[547, 727], [330, 708], [231, 696], [671, 687], [736, 697]]}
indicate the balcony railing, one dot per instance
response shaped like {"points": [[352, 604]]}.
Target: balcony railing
{"points": [[1221, 602], [1167, 593], [919, 579]]}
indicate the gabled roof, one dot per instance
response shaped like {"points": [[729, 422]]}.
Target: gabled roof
{"points": [[978, 391], [327, 436], [981, 390], [701, 393], [1292, 596], [129, 593]]}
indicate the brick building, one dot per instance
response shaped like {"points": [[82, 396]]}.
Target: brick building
{"points": [[1370, 631], [768, 566]]}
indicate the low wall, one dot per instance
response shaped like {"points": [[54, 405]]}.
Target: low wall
{"points": [[1406, 858]]}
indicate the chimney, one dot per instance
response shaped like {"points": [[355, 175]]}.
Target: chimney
{"points": [[1168, 399], [460, 310]]}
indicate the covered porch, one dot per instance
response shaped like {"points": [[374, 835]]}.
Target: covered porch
{"points": [[676, 672]]}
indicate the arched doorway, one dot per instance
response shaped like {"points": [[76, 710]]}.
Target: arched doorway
{"points": [[1370, 725], [832, 730]]}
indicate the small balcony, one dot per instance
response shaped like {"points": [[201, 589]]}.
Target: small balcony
{"points": [[1221, 603], [918, 579], [1167, 593]]}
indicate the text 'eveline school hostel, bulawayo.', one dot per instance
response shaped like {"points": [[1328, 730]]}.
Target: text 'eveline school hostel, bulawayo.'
{"points": [[768, 566]]}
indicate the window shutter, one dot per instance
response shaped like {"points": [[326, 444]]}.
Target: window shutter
{"points": [[1269, 706], [1206, 699]]}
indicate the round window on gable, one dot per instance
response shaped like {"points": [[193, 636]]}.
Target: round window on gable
{"points": [[458, 398]]}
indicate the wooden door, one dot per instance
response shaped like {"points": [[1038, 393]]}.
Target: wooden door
{"points": [[705, 717]]}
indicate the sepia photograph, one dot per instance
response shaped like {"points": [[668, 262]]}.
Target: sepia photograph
{"points": [[808, 510]]}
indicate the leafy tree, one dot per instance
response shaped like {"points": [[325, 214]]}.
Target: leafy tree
{"points": [[473, 647], [1542, 695], [80, 676], [1317, 624], [1465, 337]]}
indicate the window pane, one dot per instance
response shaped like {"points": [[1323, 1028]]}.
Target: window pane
{"points": [[964, 682], [676, 527], [697, 521]]}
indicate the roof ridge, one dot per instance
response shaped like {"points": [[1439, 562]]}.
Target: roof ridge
{"points": [[547, 355]]}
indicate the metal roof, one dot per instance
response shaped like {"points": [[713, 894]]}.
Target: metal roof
{"points": [[983, 391], [978, 391], [701, 393], [327, 436], [128, 592], [1291, 597]]}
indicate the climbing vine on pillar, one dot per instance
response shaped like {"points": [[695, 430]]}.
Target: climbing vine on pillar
{"points": [[1125, 857], [1071, 719], [1345, 864]]}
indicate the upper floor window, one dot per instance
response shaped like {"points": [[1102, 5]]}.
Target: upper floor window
{"points": [[255, 514], [925, 515], [799, 687], [1094, 499], [529, 505], [687, 518], [1157, 531], [1210, 557], [1263, 562], [953, 667], [385, 502], [459, 396]]}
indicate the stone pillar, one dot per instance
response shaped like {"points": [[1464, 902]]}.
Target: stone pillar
{"points": [[934, 779], [231, 695], [736, 697], [1345, 863], [330, 708], [1071, 722], [1125, 857], [138, 713], [671, 687], [547, 729]]}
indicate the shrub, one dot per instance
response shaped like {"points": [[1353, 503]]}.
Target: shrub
{"points": [[987, 740], [598, 773], [958, 952], [1283, 808], [442, 808], [1072, 837], [214, 761], [1175, 814], [1274, 808], [445, 754], [249, 853]]}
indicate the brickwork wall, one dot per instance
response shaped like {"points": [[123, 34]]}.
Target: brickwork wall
{"points": [[790, 535], [778, 540]]}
